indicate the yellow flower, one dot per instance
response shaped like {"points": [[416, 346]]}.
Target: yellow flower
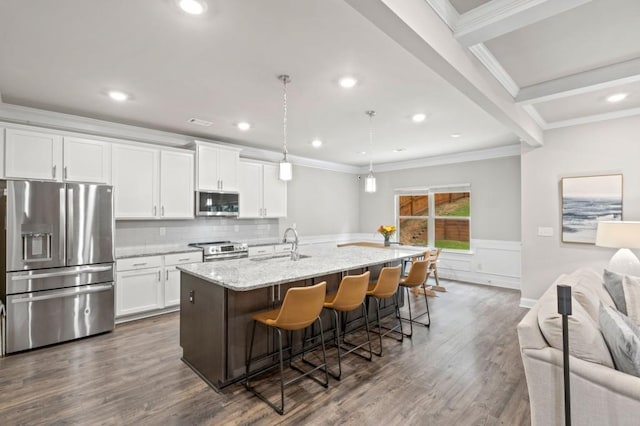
{"points": [[387, 230]]}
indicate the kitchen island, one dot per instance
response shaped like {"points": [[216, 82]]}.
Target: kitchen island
{"points": [[217, 300]]}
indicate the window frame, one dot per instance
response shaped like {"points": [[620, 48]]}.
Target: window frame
{"points": [[431, 217]]}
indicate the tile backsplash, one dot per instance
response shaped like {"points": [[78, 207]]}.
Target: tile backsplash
{"points": [[135, 233]]}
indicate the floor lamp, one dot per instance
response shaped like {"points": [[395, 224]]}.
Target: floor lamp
{"points": [[623, 235]]}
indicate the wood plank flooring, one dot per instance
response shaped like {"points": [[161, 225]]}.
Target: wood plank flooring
{"points": [[464, 370]]}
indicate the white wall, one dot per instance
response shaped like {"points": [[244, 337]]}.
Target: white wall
{"points": [[598, 148], [495, 195], [322, 202]]}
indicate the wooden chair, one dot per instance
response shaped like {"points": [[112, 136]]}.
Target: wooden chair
{"points": [[300, 308]]}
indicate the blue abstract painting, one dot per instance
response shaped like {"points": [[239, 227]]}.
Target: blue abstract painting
{"points": [[587, 200]]}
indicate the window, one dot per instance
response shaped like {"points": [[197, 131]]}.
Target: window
{"points": [[435, 217]]}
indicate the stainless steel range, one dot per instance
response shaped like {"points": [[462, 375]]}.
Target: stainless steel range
{"points": [[57, 278], [222, 250]]}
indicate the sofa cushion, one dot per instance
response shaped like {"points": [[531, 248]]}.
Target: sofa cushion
{"points": [[585, 340], [623, 339], [587, 289]]}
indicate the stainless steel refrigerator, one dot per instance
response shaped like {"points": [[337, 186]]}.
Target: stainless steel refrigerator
{"points": [[58, 266]]}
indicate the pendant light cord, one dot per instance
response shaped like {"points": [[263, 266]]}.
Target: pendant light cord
{"points": [[285, 79], [371, 114]]}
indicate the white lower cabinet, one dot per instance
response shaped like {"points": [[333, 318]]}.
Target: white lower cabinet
{"points": [[151, 283]]}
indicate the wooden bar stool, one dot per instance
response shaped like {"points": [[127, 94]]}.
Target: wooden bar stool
{"points": [[385, 287], [350, 295], [300, 308], [417, 277]]}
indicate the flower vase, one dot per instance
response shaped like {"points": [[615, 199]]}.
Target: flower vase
{"points": [[386, 242]]}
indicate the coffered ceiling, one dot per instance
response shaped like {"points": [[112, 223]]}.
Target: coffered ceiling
{"points": [[494, 72]]}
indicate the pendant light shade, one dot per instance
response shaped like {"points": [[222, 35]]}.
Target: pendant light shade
{"points": [[286, 170], [370, 181]]}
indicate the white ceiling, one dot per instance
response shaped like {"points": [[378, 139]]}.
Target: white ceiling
{"points": [[549, 61]]}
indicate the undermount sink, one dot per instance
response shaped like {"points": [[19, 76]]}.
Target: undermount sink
{"points": [[277, 256]]}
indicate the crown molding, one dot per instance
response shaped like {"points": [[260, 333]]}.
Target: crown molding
{"points": [[276, 156], [461, 157], [535, 115], [593, 118], [490, 62], [584, 82], [445, 11], [499, 17]]}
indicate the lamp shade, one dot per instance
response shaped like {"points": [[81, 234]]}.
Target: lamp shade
{"points": [[286, 172], [618, 234]]}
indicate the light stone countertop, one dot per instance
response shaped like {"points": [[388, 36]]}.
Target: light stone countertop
{"points": [[153, 250], [247, 274]]}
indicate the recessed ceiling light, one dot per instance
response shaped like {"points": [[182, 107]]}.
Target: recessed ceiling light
{"points": [[362, 152], [399, 149], [192, 7], [617, 97], [455, 135], [347, 82], [419, 118], [243, 125], [116, 95], [316, 143]]}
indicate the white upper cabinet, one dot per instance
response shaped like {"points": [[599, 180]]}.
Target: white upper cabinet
{"points": [[250, 188], [33, 155], [216, 167], [262, 193], [151, 183], [176, 185], [86, 160], [135, 179], [274, 192]]}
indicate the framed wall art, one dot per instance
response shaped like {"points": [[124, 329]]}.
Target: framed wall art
{"points": [[587, 200]]}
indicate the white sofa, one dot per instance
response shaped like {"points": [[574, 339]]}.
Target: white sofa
{"points": [[600, 395]]}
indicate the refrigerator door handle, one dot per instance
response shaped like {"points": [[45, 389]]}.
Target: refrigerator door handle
{"points": [[70, 215], [89, 269], [63, 293], [62, 246]]}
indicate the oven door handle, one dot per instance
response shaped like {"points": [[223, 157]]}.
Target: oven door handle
{"points": [[62, 293], [213, 258], [89, 269]]}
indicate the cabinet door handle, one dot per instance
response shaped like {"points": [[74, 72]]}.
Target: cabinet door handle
{"points": [[166, 276], [265, 211], [154, 210], [54, 172], [159, 276], [162, 211], [65, 172], [221, 184], [140, 264]]}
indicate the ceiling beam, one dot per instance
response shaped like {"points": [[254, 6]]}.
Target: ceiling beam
{"points": [[499, 17], [417, 28], [584, 82]]}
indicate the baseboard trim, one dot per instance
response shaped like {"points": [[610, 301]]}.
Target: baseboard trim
{"points": [[142, 315], [527, 303]]}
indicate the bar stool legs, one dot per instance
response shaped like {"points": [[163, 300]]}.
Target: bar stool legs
{"points": [[280, 409], [379, 331], [411, 320], [352, 347]]}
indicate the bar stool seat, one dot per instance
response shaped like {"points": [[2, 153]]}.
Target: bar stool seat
{"points": [[385, 287], [350, 296], [417, 277], [300, 308]]}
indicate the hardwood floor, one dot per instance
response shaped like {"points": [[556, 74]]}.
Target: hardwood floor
{"points": [[464, 370]]}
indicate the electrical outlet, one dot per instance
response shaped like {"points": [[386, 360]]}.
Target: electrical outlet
{"points": [[163, 231], [545, 231]]}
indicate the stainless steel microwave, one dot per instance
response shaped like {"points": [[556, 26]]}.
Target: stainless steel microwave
{"points": [[217, 203]]}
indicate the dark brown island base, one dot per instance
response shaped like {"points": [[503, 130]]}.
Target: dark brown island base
{"points": [[217, 300]]}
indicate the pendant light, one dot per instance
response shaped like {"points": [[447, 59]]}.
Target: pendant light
{"points": [[286, 172], [370, 181]]}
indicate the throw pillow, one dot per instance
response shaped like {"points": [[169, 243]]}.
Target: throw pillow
{"points": [[585, 340], [613, 284], [631, 287], [623, 338]]}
